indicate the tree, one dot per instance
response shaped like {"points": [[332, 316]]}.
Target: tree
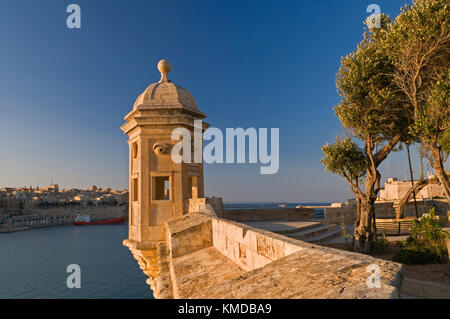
{"points": [[347, 159], [419, 44], [431, 124], [374, 112]]}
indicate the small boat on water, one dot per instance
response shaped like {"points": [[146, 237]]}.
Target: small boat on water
{"points": [[86, 220], [282, 205], [299, 206]]}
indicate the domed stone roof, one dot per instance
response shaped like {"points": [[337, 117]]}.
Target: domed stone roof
{"points": [[165, 93]]}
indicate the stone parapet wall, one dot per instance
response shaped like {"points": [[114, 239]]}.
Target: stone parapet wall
{"points": [[248, 247], [424, 289], [188, 234], [344, 215], [315, 272], [204, 256], [337, 215], [217, 205], [286, 214], [208, 206], [209, 257]]}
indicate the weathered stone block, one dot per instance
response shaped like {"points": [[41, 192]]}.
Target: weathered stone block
{"points": [[195, 236]]}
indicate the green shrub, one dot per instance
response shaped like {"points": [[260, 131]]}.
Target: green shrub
{"points": [[428, 231], [426, 243], [413, 256], [346, 236], [380, 244]]}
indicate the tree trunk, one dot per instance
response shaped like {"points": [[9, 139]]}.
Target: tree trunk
{"points": [[412, 180], [365, 224], [438, 167], [363, 232], [416, 188], [358, 212], [363, 228]]}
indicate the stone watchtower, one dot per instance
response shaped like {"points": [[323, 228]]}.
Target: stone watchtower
{"points": [[200, 255], [159, 188]]}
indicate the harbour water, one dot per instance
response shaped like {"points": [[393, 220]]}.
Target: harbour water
{"points": [[33, 263]]}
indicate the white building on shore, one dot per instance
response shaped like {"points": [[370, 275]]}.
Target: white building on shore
{"points": [[396, 190]]}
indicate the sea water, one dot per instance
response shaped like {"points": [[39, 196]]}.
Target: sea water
{"points": [[33, 263]]}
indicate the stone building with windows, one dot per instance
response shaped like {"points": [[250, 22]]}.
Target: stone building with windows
{"points": [[160, 189], [395, 190]]}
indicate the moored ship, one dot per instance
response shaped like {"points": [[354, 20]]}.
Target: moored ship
{"points": [[81, 220]]}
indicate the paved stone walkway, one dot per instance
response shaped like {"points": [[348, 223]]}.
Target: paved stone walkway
{"points": [[314, 273], [200, 270]]}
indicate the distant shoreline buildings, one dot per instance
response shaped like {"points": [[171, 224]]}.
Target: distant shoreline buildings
{"points": [[395, 189], [25, 200]]}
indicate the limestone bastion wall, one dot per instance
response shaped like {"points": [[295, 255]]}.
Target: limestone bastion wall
{"points": [[205, 256], [347, 214], [240, 215]]}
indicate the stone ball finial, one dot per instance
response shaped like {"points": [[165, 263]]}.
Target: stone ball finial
{"points": [[164, 67]]}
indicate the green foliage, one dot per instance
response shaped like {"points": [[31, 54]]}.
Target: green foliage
{"points": [[445, 141], [346, 236], [344, 158], [433, 117], [426, 243], [371, 104], [428, 230], [380, 244], [415, 256], [425, 19], [394, 88], [419, 43]]}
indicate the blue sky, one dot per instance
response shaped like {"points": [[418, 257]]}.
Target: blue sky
{"points": [[64, 92]]}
